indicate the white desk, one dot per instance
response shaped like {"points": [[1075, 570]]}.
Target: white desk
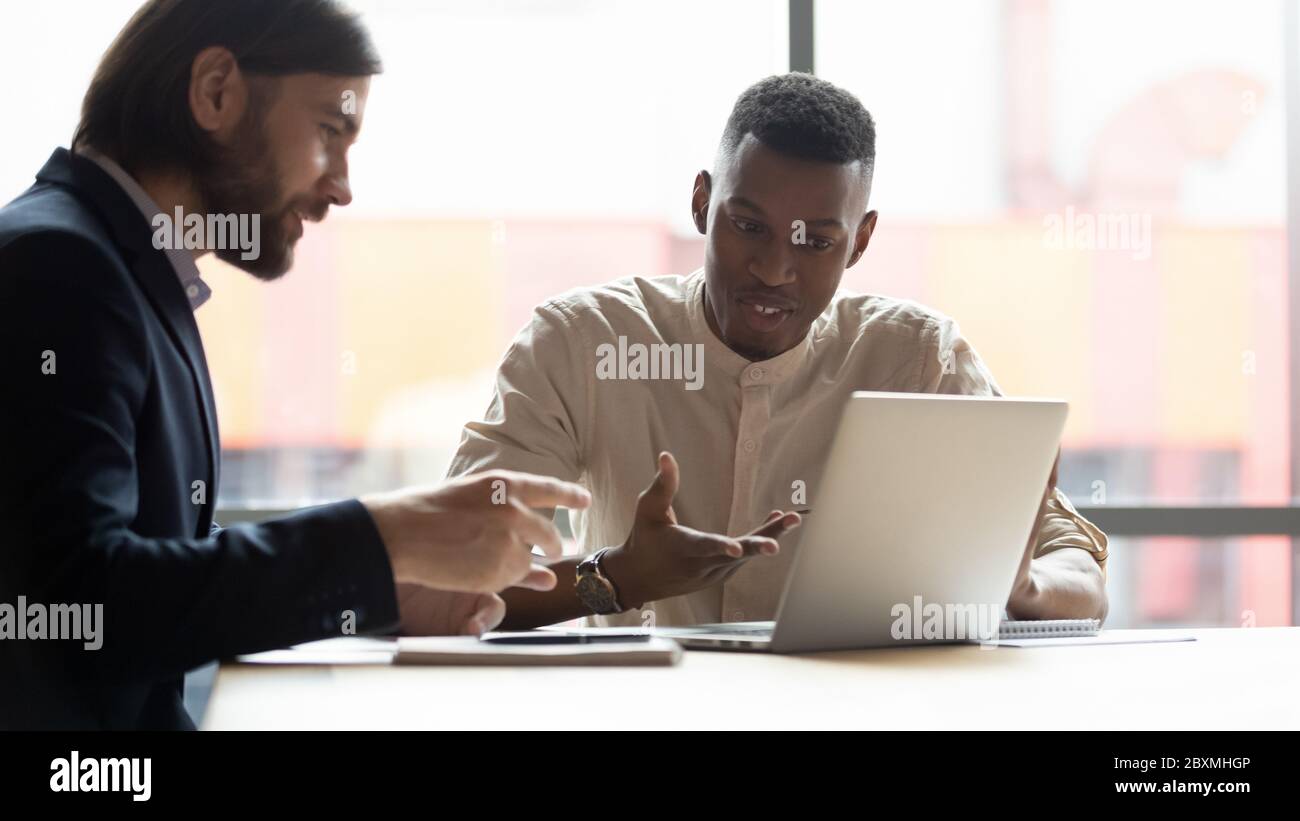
{"points": [[1227, 679]]}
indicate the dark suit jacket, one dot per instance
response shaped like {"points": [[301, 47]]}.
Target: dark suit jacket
{"points": [[109, 470]]}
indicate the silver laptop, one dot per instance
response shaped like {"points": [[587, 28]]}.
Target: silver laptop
{"points": [[926, 501]]}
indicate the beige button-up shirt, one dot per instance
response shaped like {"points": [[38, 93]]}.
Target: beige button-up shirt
{"points": [[578, 399]]}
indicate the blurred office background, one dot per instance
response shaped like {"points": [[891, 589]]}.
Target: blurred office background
{"points": [[517, 148]]}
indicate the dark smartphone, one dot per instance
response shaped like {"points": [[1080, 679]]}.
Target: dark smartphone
{"points": [[563, 638]]}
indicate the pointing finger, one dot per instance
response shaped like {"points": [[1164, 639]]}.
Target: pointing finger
{"points": [[544, 491]]}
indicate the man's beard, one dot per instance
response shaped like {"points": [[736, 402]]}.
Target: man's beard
{"points": [[244, 180]]}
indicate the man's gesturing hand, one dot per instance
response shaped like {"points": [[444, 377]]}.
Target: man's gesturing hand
{"points": [[661, 558], [475, 533]]}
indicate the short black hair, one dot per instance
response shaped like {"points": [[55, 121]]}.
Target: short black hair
{"points": [[803, 116]]}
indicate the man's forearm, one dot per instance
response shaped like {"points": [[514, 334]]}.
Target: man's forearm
{"points": [[526, 609], [1064, 584]]}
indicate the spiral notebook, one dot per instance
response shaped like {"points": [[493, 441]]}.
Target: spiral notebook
{"points": [[1065, 632], [1048, 628]]}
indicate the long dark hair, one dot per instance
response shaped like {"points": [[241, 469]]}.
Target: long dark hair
{"points": [[137, 107]]}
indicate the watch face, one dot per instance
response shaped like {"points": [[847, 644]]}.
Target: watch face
{"points": [[596, 594]]}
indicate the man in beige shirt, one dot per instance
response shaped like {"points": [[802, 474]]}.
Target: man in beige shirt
{"points": [[739, 370]]}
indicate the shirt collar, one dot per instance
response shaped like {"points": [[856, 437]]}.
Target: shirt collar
{"points": [[182, 262]]}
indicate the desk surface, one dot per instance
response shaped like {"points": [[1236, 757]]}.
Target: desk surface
{"points": [[1245, 678]]}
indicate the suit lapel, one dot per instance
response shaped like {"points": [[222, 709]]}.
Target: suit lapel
{"points": [[156, 277]]}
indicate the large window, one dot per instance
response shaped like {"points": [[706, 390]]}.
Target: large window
{"points": [[1097, 192]]}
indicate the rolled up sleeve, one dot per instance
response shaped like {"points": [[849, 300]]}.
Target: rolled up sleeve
{"points": [[1063, 526]]}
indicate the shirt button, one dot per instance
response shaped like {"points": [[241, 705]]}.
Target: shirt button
{"points": [[192, 291], [756, 373], [750, 445]]}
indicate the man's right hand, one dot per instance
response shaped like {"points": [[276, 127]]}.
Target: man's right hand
{"points": [[475, 533], [662, 559]]}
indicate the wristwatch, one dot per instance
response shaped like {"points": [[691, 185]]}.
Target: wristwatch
{"points": [[596, 590]]}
